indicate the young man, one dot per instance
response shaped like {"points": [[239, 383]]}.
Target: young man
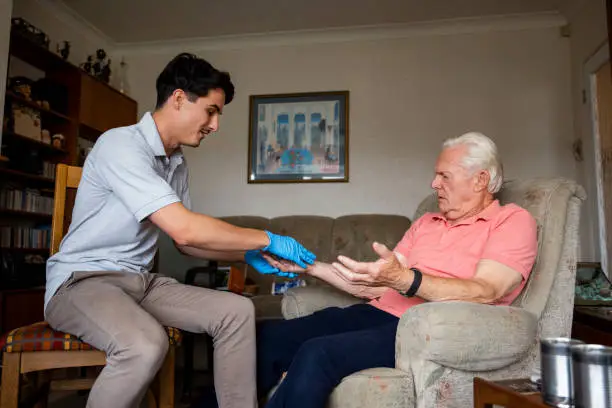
{"points": [[134, 183]]}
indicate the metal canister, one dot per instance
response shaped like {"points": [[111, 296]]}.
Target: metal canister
{"points": [[557, 373], [592, 366]]}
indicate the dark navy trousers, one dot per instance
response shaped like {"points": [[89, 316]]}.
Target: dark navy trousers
{"points": [[319, 350]]}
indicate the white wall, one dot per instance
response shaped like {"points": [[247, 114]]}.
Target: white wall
{"points": [[588, 27], [6, 8], [407, 96]]}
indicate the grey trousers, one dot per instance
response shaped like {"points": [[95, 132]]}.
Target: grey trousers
{"points": [[123, 314]]}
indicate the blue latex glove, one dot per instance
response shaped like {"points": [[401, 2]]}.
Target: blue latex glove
{"points": [[289, 249], [257, 261]]}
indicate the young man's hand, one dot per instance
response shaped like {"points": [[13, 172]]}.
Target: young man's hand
{"points": [[289, 249], [257, 261]]}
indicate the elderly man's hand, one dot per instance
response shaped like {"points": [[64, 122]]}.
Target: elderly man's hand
{"points": [[389, 271], [288, 269]]}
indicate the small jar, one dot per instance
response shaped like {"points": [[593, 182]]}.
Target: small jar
{"points": [[58, 141], [45, 136]]}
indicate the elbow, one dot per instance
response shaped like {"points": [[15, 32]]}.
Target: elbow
{"points": [[487, 295], [180, 248], [182, 236]]}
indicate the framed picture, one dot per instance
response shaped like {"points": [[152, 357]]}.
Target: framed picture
{"points": [[299, 137]]}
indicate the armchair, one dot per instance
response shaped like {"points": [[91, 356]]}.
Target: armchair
{"points": [[442, 346]]}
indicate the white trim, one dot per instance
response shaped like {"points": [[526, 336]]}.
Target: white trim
{"points": [[591, 66], [349, 34], [69, 16]]}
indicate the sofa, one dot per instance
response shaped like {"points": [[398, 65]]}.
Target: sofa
{"points": [[327, 237], [442, 346]]}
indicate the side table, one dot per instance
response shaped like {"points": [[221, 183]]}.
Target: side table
{"points": [[591, 324], [519, 393]]}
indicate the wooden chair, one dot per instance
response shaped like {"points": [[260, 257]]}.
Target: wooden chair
{"points": [[38, 348]]}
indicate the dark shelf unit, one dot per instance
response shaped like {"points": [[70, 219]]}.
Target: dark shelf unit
{"points": [[91, 108]]}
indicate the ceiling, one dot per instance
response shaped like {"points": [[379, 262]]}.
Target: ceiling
{"points": [[126, 21]]}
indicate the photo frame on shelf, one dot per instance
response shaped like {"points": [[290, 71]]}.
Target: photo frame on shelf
{"points": [[299, 137]]}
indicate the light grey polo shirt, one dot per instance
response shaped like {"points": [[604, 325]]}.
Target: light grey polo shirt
{"points": [[126, 177]]}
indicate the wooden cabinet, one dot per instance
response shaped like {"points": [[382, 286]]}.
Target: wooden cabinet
{"points": [[21, 307], [77, 108], [102, 107]]}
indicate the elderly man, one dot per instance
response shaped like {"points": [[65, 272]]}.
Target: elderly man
{"points": [[473, 250]]}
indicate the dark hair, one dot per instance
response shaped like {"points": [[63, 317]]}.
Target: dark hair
{"points": [[195, 76]]}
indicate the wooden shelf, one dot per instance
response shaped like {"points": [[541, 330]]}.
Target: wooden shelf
{"points": [[24, 214], [33, 250], [36, 55], [89, 133], [27, 176], [35, 143], [23, 101]]}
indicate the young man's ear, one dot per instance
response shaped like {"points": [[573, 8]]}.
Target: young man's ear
{"points": [[178, 99]]}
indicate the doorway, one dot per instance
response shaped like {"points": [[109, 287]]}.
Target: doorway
{"points": [[600, 78]]}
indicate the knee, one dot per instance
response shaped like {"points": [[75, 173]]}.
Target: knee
{"points": [[154, 347], [144, 348], [241, 310], [238, 315], [315, 351]]}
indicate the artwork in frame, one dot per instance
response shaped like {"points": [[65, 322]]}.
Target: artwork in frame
{"points": [[299, 137]]}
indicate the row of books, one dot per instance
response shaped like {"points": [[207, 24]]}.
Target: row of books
{"points": [[25, 237], [25, 200], [49, 170]]}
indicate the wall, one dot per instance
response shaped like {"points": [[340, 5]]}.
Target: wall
{"points": [[588, 27], [406, 96], [6, 7]]}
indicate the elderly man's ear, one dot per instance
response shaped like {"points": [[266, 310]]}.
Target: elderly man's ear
{"points": [[482, 181]]}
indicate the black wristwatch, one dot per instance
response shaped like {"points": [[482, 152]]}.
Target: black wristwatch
{"points": [[416, 283]]}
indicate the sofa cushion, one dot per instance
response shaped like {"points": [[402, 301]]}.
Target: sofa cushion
{"points": [[314, 232], [267, 306], [353, 235]]}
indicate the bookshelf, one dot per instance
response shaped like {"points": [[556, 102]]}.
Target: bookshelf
{"points": [[76, 106]]}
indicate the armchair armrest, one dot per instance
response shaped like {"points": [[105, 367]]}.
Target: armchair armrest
{"points": [[299, 302], [464, 336]]}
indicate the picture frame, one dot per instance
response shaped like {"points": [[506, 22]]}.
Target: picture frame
{"points": [[299, 137]]}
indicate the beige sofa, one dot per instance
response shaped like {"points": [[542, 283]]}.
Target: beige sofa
{"points": [[350, 235], [441, 346]]}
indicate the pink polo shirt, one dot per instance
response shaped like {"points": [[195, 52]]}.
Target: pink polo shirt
{"points": [[506, 234]]}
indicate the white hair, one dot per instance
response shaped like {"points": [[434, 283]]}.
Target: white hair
{"points": [[481, 155]]}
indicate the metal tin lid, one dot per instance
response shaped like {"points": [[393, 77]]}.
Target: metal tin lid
{"points": [[558, 345], [592, 354]]}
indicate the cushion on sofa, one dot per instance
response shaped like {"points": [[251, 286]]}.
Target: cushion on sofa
{"points": [[353, 235]]}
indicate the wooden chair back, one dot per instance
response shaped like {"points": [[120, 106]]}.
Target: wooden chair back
{"points": [[66, 178]]}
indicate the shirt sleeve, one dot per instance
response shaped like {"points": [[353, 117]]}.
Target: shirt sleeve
{"points": [[514, 242], [127, 169]]}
